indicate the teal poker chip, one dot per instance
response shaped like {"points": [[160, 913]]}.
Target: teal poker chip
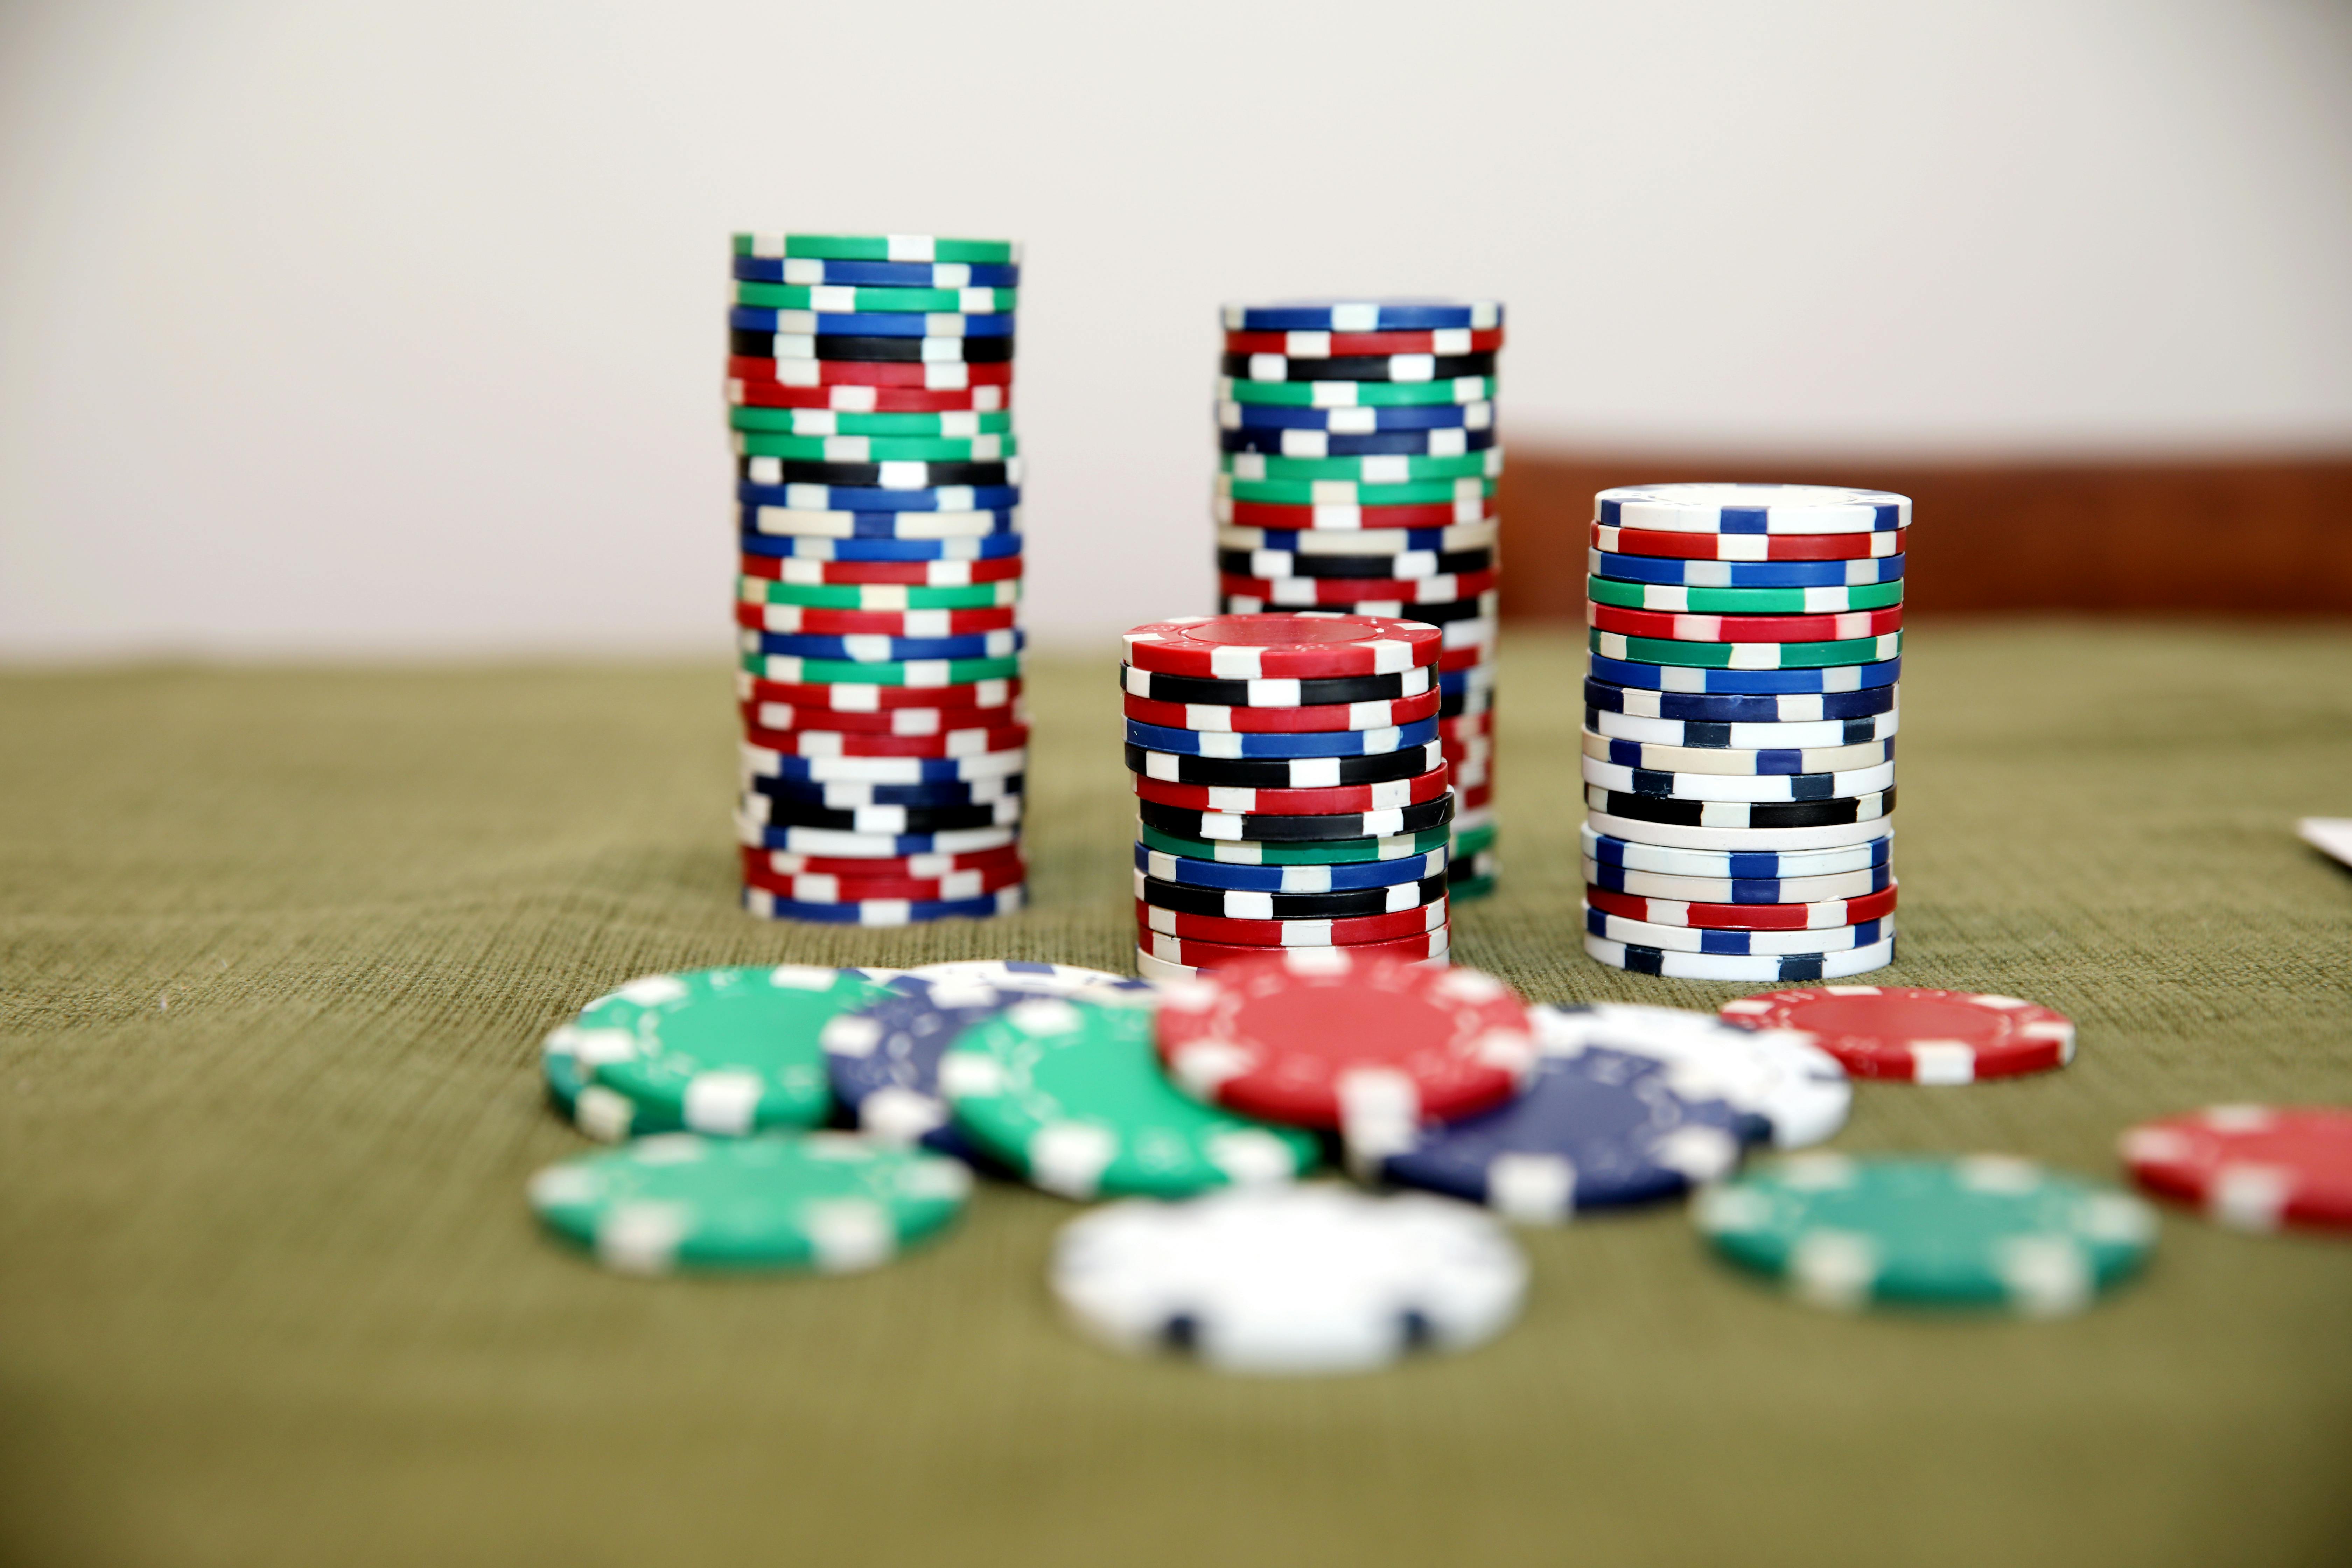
{"points": [[722, 1051], [1071, 1094], [827, 1202], [1978, 1231]]}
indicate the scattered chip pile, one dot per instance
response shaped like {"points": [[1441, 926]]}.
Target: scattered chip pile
{"points": [[870, 385], [1291, 788], [1358, 472], [1739, 730]]}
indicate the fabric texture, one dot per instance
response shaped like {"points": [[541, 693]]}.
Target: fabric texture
{"points": [[276, 948]]}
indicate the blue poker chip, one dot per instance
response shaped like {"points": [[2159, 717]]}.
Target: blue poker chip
{"points": [[1345, 877], [1695, 707], [1746, 574], [810, 271], [878, 648], [763, 764], [876, 497], [867, 323], [1257, 744], [1688, 504], [801, 547], [1355, 420], [1597, 1129], [884, 1059], [1363, 315], [1462, 682], [1752, 943], [1387, 442], [793, 523], [1746, 683], [850, 795], [882, 913]]}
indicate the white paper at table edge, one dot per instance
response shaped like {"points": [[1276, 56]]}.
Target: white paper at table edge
{"points": [[2330, 835]]}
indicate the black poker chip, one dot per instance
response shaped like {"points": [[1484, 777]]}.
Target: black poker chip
{"points": [[1393, 568], [1226, 903], [901, 351], [1358, 367], [1252, 827]]}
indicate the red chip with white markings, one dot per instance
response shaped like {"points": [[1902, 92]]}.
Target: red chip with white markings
{"points": [[1306, 644], [2255, 1167], [1333, 1038], [1911, 1032]]}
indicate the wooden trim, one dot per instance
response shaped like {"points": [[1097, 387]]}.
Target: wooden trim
{"points": [[2237, 537]]}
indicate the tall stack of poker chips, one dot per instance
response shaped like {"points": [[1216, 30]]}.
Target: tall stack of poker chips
{"points": [[1739, 726], [1291, 789], [870, 380], [1358, 472]]}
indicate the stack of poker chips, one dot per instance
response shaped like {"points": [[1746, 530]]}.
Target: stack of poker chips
{"points": [[1740, 725], [870, 378], [1291, 790], [1358, 473]]}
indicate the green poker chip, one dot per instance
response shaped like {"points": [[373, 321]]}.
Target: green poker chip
{"points": [[879, 448], [1357, 393], [830, 422], [1470, 888], [728, 1051], [877, 247], [880, 301], [1315, 492], [1983, 1231], [1391, 470], [1749, 655], [884, 672], [1743, 601], [1071, 1094], [1471, 840], [881, 595], [827, 1202], [1318, 852]]}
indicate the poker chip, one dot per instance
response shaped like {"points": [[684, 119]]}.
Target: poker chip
{"points": [[1356, 492], [1680, 599], [1354, 421], [1288, 1281], [1278, 692], [1674, 625], [780, 719], [863, 697], [1069, 1093], [1408, 367], [1751, 916], [1178, 821], [1427, 442], [1750, 788], [803, 618], [2252, 1167], [920, 571], [851, 845], [818, 1201], [1746, 574], [879, 597], [1783, 841], [1324, 878], [1389, 469], [1746, 546], [1637, 756], [758, 364], [1793, 1093], [1334, 521], [761, 390], [1356, 393], [1859, 700], [1693, 736], [796, 525], [893, 546], [1200, 954], [726, 1051], [811, 270], [1337, 1038], [793, 669], [1747, 655], [871, 247], [1286, 773], [858, 300], [781, 863], [1349, 932], [1736, 942], [1248, 647], [753, 335], [1452, 538], [814, 888], [1326, 851], [1388, 713], [1678, 965], [1629, 806], [766, 761], [883, 1059], [938, 481], [1395, 793], [1795, 680], [1183, 898], [1909, 1032], [859, 794], [770, 905], [1764, 890], [1750, 509], [1235, 745], [1982, 1231], [1363, 316]]}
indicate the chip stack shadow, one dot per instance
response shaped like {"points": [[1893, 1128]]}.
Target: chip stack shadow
{"points": [[1739, 719], [1357, 471], [878, 482]]}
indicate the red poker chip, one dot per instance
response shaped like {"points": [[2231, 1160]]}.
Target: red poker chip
{"points": [[773, 863], [1454, 660], [948, 375], [2255, 1167], [1674, 627], [1321, 801], [823, 887], [1313, 719], [1442, 590], [1474, 798], [1335, 345], [957, 742], [1361, 1040], [1826, 915], [1747, 546], [1217, 955], [1284, 515], [806, 620], [1911, 1032], [867, 697], [1304, 644], [1352, 931], [905, 573], [890, 721], [765, 393]]}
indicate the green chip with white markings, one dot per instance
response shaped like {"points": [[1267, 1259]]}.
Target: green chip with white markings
{"points": [[885, 672], [725, 1051], [1747, 655], [1828, 601], [1071, 1094], [881, 595], [835, 422], [1350, 492], [1313, 852], [826, 1202], [927, 248], [878, 448], [1982, 1231], [839, 299], [1396, 469], [1356, 393]]}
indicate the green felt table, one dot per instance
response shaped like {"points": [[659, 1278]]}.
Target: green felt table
{"points": [[277, 948]]}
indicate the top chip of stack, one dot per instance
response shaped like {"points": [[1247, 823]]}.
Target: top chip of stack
{"points": [[1357, 471], [879, 493], [1290, 788], [1740, 713]]}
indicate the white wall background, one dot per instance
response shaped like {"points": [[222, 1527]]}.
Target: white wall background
{"points": [[370, 327]]}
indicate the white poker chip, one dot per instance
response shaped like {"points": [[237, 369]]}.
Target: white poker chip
{"points": [[1794, 1086], [1289, 1280]]}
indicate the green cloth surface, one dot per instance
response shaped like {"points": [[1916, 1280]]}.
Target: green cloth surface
{"points": [[276, 948]]}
